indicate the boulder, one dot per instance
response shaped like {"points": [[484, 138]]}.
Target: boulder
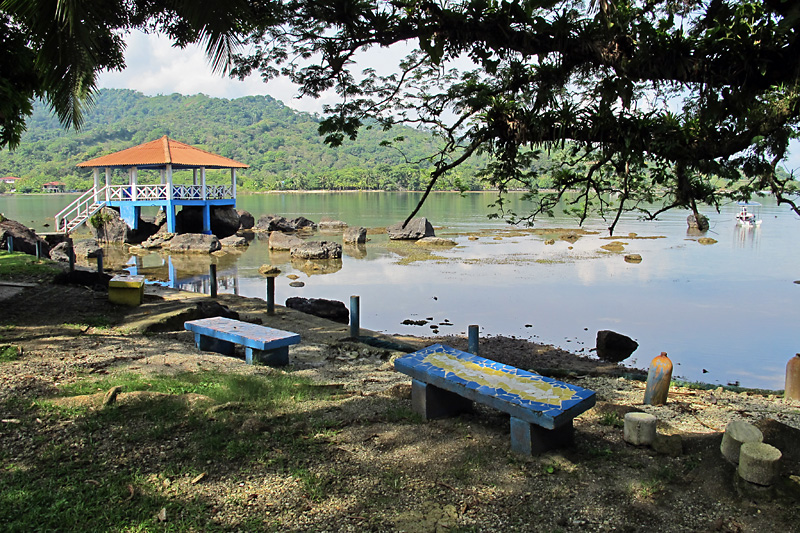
{"points": [[633, 258], [435, 242], [355, 235], [283, 241], [60, 252], [317, 250], [417, 228], [161, 218], [194, 243], [108, 226], [246, 219], [302, 224], [224, 220], [159, 240], [25, 239], [330, 309], [329, 224], [614, 347], [269, 270], [700, 224], [87, 248], [273, 223], [233, 241]]}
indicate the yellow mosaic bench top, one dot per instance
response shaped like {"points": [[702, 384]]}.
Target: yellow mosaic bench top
{"points": [[524, 394]]}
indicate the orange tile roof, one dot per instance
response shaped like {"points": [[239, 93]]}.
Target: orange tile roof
{"points": [[161, 152]]}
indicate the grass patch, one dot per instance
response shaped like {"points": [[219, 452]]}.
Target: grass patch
{"points": [[115, 468], [611, 418], [9, 352], [92, 321], [16, 266], [253, 392]]}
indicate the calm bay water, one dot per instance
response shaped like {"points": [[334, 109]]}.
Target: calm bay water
{"points": [[724, 312]]}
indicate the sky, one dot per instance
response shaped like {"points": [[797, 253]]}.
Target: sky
{"points": [[155, 67]]}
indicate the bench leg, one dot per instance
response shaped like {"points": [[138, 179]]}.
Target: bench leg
{"points": [[432, 402], [210, 344], [530, 439], [275, 357]]}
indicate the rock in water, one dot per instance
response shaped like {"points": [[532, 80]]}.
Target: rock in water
{"points": [[330, 309], [614, 347], [354, 235], [246, 219], [700, 224], [417, 228], [194, 243], [317, 250], [283, 241]]}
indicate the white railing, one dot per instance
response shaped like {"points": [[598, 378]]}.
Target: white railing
{"points": [[151, 192], [80, 209], [187, 192], [215, 192]]}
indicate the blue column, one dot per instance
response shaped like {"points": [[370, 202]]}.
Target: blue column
{"points": [[170, 210], [207, 219], [130, 214]]}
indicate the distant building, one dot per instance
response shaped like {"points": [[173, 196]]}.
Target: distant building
{"points": [[53, 186], [11, 181]]}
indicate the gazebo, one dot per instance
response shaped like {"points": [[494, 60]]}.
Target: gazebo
{"points": [[166, 156]]}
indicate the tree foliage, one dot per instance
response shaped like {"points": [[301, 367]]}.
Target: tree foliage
{"points": [[652, 98], [55, 49], [649, 100]]}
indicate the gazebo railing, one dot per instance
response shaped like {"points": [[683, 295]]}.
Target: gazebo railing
{"points": [[125, 193], [187, 192]]}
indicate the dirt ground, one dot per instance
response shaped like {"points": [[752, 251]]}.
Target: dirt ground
{"points": [[403, 475]]}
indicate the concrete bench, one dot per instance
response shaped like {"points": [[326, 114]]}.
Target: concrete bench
{"points": [[262, 344], [446, 381]]}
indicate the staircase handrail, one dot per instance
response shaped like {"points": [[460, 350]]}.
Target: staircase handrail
{"points": [[80, 206]]}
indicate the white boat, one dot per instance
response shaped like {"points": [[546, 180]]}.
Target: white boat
{"points": [[748, 218]]}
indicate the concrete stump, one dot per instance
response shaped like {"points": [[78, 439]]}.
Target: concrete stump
{"points": [[640, 429], [758, 463], [737, 433]]}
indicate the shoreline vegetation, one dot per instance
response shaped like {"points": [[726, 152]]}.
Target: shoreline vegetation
{"points": [[112, 419]]}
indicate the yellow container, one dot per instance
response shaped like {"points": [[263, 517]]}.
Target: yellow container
{"points": [[126, 290]]}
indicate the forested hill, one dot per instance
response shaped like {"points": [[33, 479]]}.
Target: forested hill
{"points": [[281, 145]]}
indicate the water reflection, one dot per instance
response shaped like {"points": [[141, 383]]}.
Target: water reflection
{"points": [[684, 298]]}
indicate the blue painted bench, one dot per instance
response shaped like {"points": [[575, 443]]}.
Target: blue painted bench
{"points": [[446, 381], [262, 344]]}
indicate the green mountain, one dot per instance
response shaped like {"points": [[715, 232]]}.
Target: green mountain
{"points": [[281, 145]]}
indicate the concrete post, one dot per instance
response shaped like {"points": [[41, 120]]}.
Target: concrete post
{"points": [[473, 340], [212, 270], [355, 317], [270, 295]]}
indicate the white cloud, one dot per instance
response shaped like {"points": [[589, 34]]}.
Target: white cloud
{"points": [[155, 67]]}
